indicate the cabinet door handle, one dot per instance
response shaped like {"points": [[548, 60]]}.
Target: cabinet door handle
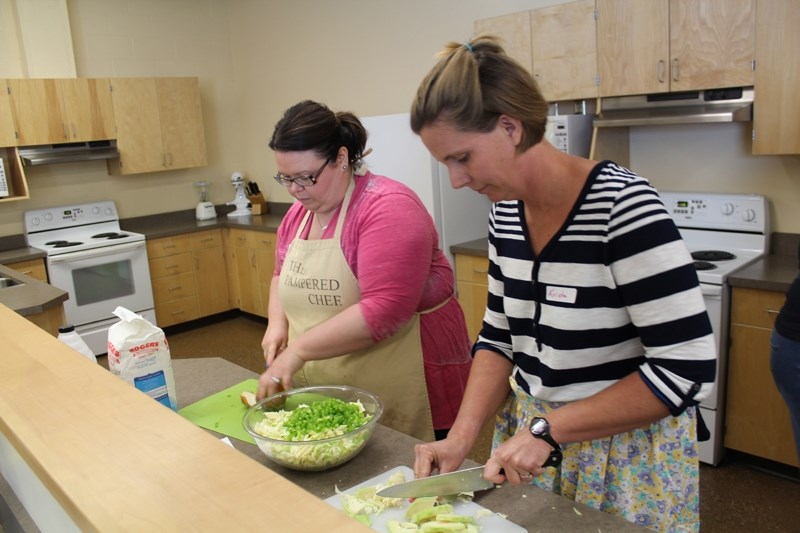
{"points": [[675, 69], [661, 71], [772, 312], [480, 271]]}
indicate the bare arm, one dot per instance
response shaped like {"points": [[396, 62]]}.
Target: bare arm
{"points": [[486, 390]]}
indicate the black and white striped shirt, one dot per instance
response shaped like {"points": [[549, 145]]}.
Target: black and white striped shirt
{"points": [[614, 291]]}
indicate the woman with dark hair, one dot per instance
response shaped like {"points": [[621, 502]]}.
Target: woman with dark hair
{"points": [[361, 294], [596, 346]]}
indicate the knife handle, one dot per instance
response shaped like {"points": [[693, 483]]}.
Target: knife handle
{"points": [[554, 459]]}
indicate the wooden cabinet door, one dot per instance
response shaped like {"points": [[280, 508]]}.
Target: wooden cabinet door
{"points": [[211, 272], [181, 119], [514, 32], [712, 43], [88, 109], [756, 417], [776, 129], [247, 290], [472, 288], [8, 131], [632, 46], [564, 50], [38, 111], [135, 102], [265, 264]]}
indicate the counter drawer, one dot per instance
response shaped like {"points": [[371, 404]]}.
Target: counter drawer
{"points": [[754, 307], [170, 266], [472, 268], [177, 311], [206, 239], [166, 246], [34, 268], [171, 288]]}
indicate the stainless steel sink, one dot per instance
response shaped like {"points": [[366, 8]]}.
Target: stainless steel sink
{"points": [[8, 282]]}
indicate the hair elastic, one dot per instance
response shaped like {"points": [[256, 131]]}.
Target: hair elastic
{"points": [[468, 46]]}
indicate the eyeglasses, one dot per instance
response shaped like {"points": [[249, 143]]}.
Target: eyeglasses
{"points": [[302, 181]]}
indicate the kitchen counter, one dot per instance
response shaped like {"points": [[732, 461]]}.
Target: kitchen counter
{"points": [[85, 451], [478, 247], [178, 222], [771, 273], [30, 298], [166, 471]]}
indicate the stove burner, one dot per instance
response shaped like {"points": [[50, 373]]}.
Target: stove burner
{"points": [[65, 244], [704, 265], [54, 243], [110, 235], [712, 255]]}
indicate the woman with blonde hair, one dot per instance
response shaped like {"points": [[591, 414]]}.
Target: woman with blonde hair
{"points": [[596, 346]]}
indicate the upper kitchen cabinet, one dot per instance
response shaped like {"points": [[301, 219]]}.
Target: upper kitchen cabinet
{"points": [[564, 50], [674, 45], [776, 107], [52, 111], [8, 135], [514, 32], [88, 108], [159, 125]]}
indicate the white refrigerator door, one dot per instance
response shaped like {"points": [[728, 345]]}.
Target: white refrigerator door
{"points": [[460, 215]]}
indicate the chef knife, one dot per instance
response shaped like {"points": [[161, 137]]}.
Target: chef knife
{"points": [[468, 480]]}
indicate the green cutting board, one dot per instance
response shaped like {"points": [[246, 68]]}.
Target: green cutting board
{"points": [[222, 412]]}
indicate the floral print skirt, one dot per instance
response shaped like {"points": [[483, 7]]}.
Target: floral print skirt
{"points": [[649, 476]]}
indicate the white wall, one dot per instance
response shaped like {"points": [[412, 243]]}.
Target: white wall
{"points": [[716, 158], [254, 58]]}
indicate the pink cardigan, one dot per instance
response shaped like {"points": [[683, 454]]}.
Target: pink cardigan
{"points": [[391, 244]]}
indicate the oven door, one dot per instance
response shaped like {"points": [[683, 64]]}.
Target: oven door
{"points": [[101, 279]]}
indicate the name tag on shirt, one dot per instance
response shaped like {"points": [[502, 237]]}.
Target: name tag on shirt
{"points": [[561, 294]]}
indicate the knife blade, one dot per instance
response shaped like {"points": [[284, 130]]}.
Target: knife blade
{"points": [[467, 480]]}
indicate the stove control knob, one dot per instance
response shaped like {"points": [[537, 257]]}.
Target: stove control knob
{"points": [[748, 215], [48, 216], [96, 210], [727, 208], [35, 221]]}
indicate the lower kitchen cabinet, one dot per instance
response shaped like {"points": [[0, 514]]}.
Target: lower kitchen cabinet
{"points": [[251, 257], [34, 268], [211, 272], [189, 276], [757, 420], [172, 274], [472, 288]]}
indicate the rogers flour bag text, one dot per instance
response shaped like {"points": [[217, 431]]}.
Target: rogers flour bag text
{"points": [[138, 352]]}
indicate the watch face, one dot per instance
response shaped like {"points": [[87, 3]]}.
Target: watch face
{"points": [[539, 426]]}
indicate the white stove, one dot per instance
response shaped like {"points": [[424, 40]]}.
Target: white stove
{"points": [[98, 264], [60, 230], [723, 232]]}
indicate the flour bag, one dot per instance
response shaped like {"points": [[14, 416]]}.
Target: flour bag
{"points": [[138, 352]]}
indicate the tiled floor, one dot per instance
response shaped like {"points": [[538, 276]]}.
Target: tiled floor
{"points": [[735, 495]]}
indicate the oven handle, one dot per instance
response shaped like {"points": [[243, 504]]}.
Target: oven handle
{"points": [[714, 291], [97, 252]]}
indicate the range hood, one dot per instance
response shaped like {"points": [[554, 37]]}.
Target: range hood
{"points": [[690, 107], [49, 154]]}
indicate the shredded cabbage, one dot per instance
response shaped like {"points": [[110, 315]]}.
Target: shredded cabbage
{"points": [[323, 419]]}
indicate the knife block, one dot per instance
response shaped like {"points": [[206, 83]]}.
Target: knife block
{"points": [[258, 204]]}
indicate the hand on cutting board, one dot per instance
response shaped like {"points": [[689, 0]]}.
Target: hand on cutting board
{"points": [[518, 460], [278, 375], [443, 455]]}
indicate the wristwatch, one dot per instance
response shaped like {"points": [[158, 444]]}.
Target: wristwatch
{"points": [[540, 429]]}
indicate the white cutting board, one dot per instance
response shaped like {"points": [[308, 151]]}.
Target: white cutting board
{"points": [[493, 523]]}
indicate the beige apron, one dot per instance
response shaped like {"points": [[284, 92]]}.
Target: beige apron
{"points": [[316, 283]]}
